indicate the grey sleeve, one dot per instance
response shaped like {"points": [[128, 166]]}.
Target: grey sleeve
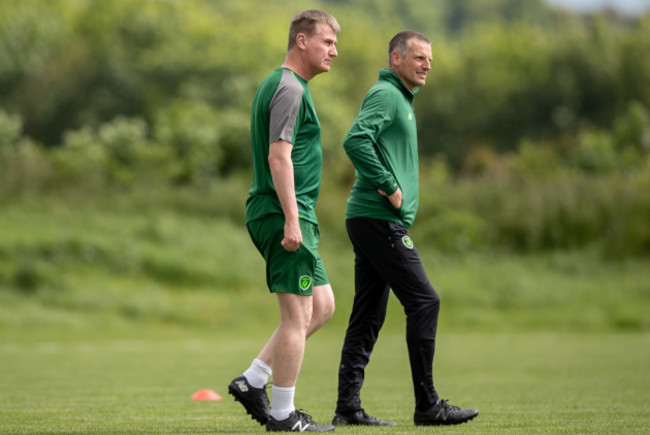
{"points": [[284, 108]]}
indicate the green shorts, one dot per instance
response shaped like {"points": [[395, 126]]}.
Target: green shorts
{"points": [[295, 272]]}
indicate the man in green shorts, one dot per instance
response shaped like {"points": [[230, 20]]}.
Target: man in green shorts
{"points": [[281, 220]]}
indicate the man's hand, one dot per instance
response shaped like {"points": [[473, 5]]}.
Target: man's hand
{"points": [[292, 236], [395, 199]]}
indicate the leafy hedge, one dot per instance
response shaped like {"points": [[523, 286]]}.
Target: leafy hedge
{"points": [[534, 125]]}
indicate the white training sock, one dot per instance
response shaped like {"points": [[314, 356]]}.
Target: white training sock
{"points": [[258, 373], [282, 402]]}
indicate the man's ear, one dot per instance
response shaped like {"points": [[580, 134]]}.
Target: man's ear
{"points": [[395, 57], [301, 40]]}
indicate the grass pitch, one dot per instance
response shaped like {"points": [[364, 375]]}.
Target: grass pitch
{"points": [[521, 383], [110, 321]]}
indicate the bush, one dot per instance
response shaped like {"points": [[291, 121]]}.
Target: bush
{"points": [[24, 165]]}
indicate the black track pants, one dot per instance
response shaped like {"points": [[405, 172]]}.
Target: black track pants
{"points": [[386, 259]]}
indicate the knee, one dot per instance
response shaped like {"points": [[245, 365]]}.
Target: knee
{"points": [[323, 305], [324, 310], [432, 297], [298, 321], [435, 299], [426, 305], [434, 302], [330, 310]]}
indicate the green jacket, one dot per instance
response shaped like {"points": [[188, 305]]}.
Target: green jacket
{"points": [[382, 144]]}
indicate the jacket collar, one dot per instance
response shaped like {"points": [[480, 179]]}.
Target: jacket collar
{"points": [[392, 77]]}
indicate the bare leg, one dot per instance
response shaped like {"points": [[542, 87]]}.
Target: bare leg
{"points": [[300, 317], [323, 303], [288, 344], [322, 309]]}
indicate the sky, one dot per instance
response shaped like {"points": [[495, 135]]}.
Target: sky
{"points": [[627, 7]]}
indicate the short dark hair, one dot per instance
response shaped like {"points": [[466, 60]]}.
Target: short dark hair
{"points": [[305, 22], [400, 43]]}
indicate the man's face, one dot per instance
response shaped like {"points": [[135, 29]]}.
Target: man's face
{"points": [[415, 65], [321, 48]]}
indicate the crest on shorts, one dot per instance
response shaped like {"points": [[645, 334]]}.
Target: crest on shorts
{"points": [[304, 282], [406, 240]]}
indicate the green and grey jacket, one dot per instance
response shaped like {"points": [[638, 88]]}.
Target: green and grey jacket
{"points": [[382, 144]]}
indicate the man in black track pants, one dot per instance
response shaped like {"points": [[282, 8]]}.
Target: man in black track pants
{"points": [[382, 145]]}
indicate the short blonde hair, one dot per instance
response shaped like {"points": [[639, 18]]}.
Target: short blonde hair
{"points": [[305, 22]]}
